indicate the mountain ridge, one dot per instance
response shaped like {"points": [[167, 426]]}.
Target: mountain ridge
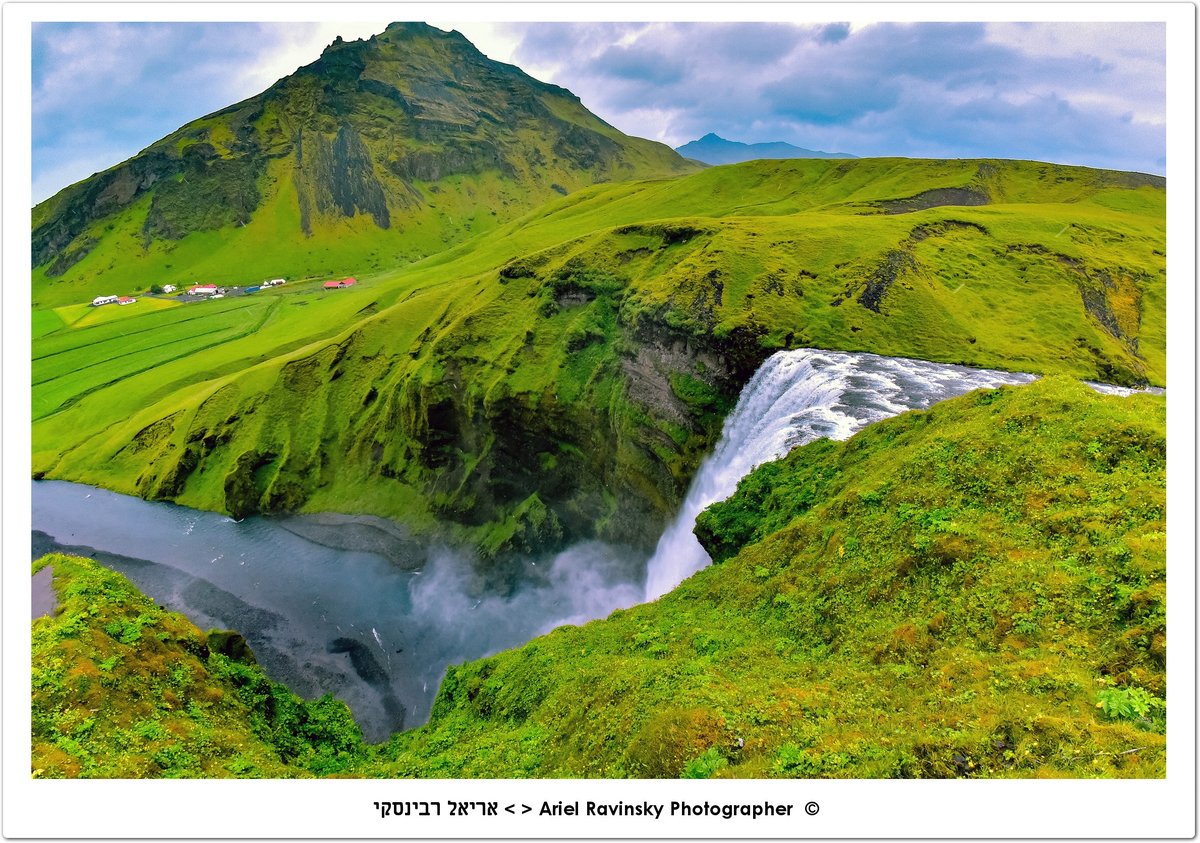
{"points": [[714, 149]]}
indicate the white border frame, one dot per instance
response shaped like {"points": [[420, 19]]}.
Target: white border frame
{"points": [[344, 808]]}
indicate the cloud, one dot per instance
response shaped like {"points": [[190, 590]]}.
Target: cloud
{"points": [[735, 44], [805, 99], [104, 91], [1079, 93], [639, 64], [833, 33]]}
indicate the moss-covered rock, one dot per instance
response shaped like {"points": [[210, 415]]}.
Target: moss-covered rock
{"points": [[124, 689]]}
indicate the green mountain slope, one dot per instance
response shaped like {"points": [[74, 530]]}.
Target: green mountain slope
{"points": [[525, 387], [380, 152], [975, 590]]}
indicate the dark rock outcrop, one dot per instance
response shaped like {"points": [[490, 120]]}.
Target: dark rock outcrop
{"points": [[229, 643], [896, 263], [935, 198]]}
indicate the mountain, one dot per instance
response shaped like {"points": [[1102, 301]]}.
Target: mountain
{"points": [[713, 149], [561, 377], [382, 151]]}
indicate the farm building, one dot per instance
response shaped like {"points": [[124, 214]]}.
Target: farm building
{"points": [[274, 282], [168, 288], [99, 300], [337, 285], [126, 300], [203, 290]]}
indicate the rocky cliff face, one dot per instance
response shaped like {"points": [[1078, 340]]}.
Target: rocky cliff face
{"points": [[602, 445]]}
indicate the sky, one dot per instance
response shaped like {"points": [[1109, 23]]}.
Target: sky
{"points": [[1075, 93]]}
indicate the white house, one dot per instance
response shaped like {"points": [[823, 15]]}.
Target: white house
{"points": [[274, 282], [203, 290], [168, 288], [99, 300]]}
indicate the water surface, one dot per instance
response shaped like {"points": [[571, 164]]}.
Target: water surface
{"points": [[375, 627]]}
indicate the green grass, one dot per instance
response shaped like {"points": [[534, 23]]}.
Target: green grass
{"points": [[114, 356], [124, 689], [606, 332], [977, 590], [972, 591], [113, 313], [46, 322]]}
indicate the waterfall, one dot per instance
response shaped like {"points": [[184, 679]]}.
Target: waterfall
{"points": [[795, 397], [336, 589]]}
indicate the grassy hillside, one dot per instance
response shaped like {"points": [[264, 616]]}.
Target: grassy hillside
{"points": [[975, 590], [972, 591], [518, 386], [380, 152], [123, 689]]}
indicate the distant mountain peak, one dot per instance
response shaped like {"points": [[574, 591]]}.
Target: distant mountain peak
{"points": [[401, 30], [714, 149]]}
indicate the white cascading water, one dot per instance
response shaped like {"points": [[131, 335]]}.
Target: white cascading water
{"points": [[795, 397]]}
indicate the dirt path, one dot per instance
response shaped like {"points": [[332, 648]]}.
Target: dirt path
{"points": [[44, 598]]}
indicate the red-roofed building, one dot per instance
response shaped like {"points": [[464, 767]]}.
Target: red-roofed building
{"points": [[337, 285], [203, 289], [125, 300]]}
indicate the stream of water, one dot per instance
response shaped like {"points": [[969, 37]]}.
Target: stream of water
{"points": [[325, 606]]}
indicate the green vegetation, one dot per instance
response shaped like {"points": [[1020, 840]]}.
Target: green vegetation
{"points": [[552, 321], [124, 689], [975, 590], [587, 352]]}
